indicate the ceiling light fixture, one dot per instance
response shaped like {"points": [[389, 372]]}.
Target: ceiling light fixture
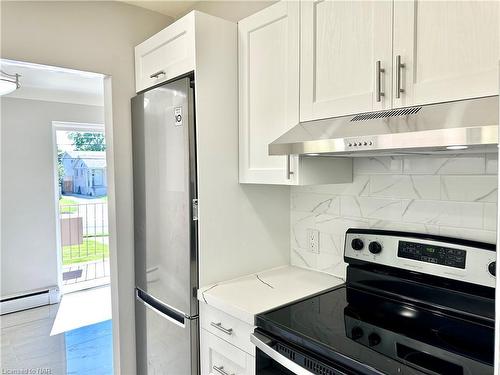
{"points": [[8, 82], [312, 154], [458, 147]]}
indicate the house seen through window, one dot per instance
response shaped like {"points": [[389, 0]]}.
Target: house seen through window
{"points": [[83, 209]]}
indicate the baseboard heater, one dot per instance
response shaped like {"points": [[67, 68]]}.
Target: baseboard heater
{"points": [[29, 300]]}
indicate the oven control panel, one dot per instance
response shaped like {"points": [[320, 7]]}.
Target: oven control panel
{"points": [[452, 258], [432, 254]]}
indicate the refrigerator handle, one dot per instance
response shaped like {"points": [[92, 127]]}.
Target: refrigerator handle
{"points": [[159, 308]]}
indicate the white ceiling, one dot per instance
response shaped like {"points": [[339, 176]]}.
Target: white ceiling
{"points": [[232, 10], [173, 9], [41, 82]]}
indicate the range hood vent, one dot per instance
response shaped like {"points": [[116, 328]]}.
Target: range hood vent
{"points": [[460, 126], [390, 113]]}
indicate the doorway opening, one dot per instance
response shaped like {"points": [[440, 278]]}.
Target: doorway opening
{"points": [[55, 198], [82, 206]]}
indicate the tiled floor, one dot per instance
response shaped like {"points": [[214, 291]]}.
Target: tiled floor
{"points": [[27, 343]]}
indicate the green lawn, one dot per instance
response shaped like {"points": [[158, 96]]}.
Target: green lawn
{"points": [[96, 250], [64, 205]]}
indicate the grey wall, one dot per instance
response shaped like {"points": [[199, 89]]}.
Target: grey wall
{"points": [[28, 223], [99, 37]]}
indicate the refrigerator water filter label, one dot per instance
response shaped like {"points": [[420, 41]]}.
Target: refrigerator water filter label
{"points": [[178, 116]]}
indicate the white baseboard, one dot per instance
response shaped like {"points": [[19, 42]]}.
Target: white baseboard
{"points": [[29, 300]]}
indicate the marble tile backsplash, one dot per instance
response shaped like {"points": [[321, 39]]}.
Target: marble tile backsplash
{"points": [[451, 196]]}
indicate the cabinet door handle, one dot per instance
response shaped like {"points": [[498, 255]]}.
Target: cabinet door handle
{"points": [[399, 67], [157, 74], [289, 171], [227, 331], [378, 81], [220, 370]]}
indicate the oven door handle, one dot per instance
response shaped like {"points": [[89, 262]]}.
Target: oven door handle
{"points": [[262, 342]]}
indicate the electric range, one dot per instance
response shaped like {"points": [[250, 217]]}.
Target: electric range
{"points": [[411, 304]]}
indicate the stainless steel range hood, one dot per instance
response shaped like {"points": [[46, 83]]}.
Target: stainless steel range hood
{"points": [[466, 125]]}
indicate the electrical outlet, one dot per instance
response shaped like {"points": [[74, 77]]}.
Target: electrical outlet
{"points": [[313, 240]]}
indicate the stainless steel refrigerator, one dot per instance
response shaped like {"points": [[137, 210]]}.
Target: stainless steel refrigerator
{"points": [[165, 229]]}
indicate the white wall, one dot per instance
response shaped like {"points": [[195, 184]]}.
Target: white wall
{"points": [[455, 196], [29, 251], [242, 228], [99, 37]]}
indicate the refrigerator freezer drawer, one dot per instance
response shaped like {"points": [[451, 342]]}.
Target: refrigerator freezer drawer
{"points": [[167, 342]]}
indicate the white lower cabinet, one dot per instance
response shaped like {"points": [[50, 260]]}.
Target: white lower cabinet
{"points": [[219, 357], [227, 327], [225, 343]]}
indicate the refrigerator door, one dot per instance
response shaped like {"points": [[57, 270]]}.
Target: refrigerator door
{"points": [[167, 343], [164, 189]]}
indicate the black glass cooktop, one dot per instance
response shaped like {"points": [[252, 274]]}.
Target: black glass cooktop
{"points": [[392, 336]]}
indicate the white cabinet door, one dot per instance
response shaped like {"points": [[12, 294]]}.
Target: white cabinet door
{"points": [[227, 327], [268, 44], [341, 42], [450, 50], [166, 55], [219, 357]]}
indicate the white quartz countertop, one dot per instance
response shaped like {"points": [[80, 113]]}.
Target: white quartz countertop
{"points": [[253, 294]]}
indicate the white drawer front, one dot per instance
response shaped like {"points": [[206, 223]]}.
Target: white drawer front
{"points": [[218, 357], [166, 55], [227, 327]]}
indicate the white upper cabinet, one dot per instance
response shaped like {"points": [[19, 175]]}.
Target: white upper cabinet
{"points": [[430, 51], [354, 57], [449, 49], [268, 44], [341, 43], [167, 54]]}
